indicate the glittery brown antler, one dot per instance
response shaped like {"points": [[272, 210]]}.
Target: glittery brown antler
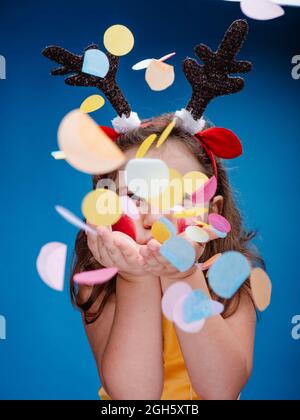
{"points": [[211, 79], [71, 64]]}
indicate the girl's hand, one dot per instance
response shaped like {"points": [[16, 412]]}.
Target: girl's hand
{"points": [[115, 249], [156, 264]]}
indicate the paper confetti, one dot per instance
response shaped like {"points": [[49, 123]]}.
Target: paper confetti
{"points": [[95, 63], [178, 318], [92, 104], [261, 9], [218, 222], [196, 234], [146, 145], [198, 306], [87, 148], [129, 207], [171, 297], [179, 252], [207, 264], [96, 277], [118, 40], [142, 65], [159, 75], [51, 264], [194, 181], [102, 207], [58, 155], [206, 192], [189, 213], [146, 177], [228, 274], [261, 287], [163, 229], [166, 133], [74, 220]]}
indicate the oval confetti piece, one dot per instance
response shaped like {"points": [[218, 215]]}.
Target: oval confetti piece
{"points": [[159, 75], [166, 133], [189, 213], [219, 222], [58, 155], [51, 264], [191, 328], [118, 40], [146, 177], [261, 287], [217, 308], [92, 104], [196, 306], [193, 181], [144, 148], [261, 9], [228, 274], [171, 196], [95, 277], [167, 57], [142, 65], [207, 264], [74, 220], [207, 192], [162, 230], [87, 148], [95, 63], [129, 207], [196, 234], [179, 252], [171, 297], [102, 207]]}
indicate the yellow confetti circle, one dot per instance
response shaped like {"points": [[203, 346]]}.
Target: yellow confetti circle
{"points": [[92, 104], [193, 181], [118, 40], [160, 232], [102, 207]]}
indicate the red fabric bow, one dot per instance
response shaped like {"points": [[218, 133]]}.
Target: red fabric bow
{"points": [[216, 141]]}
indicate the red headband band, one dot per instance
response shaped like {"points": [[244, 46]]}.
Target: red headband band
{"points": [[219, 142]]}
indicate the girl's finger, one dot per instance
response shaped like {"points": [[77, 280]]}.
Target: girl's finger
{"points": [[93, 246], [128, 252]]}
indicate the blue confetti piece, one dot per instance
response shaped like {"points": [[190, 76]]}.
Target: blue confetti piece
{"points": [[95, 63], [228, 274], [169, 225], [197, 306], [179, 252]]}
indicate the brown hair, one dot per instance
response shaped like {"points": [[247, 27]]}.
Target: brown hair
{"points": [[238, 240]]}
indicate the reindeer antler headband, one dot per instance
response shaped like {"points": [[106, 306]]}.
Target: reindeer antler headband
{"points": [[208, 80]]}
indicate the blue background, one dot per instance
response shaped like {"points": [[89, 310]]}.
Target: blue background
{"points": [[46, 354]]}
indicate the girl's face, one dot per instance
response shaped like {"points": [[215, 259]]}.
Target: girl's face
{"points": [[176, 156]]}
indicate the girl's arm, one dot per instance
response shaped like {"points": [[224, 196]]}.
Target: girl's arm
{"points": [[127, 338], [219, 357]]}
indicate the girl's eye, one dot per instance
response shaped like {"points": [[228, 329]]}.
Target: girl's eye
{"points": [[136, 199]]}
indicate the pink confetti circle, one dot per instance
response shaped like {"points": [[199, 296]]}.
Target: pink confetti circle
{"points": [[219, 223], [92, 278]]}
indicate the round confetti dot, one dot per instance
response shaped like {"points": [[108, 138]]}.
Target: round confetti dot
{"points": [[51, 264], [179, 252], [95, 63], [92, 104], [118, 40], [219, 222], [87, 148], [102, 207], [193, 181], [172, 295], [162, 230], [196, 306], [159, 75], [178, 318], [261, 287], [228, 274], [196, 234], [147, 178]]}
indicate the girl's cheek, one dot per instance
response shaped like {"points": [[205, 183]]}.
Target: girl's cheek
{"points": [[126, 225]]}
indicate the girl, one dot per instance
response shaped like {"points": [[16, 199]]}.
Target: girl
{"points": [[139, 355]]}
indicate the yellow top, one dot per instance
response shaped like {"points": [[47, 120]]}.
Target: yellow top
{"points": [[177, 385]]}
